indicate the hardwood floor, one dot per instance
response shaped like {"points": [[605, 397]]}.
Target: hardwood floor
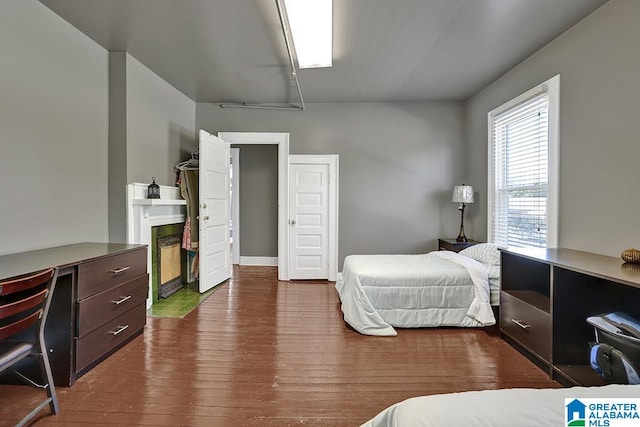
{"points": [[259, 352]]}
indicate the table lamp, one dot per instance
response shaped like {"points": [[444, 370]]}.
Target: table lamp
{"points": [[462, 194]]}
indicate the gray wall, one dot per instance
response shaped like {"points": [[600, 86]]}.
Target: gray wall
{"points": [[153, 128], [160, 125], [599, 63], [258, 200], [117, 145], [53, 130], [398, 165]]}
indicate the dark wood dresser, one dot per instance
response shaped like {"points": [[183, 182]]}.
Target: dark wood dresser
{"points": [[98, 304]]}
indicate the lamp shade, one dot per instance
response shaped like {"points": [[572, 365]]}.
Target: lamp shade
{"points": [[462, 194]]}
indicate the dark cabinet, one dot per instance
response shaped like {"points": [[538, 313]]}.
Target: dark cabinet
{"points": [[546, 296]]}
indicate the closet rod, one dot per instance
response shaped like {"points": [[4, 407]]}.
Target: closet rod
{"points": [[294, 75]]}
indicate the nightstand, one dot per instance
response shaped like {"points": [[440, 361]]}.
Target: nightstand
{"points": [[453, 245]]}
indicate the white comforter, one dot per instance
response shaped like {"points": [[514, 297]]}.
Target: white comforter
{"points": [[497, 408], [436, 289]]}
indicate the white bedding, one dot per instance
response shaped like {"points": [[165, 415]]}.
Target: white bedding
{"points": [[495, 408], [440, 288]]}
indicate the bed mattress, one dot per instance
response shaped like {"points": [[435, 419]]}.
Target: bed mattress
{"points": [[440, 288]]}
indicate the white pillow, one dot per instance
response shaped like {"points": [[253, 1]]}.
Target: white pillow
{"points": [[493, 271], [486, 253]]}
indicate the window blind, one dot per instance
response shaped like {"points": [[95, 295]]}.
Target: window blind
{"points": [[520, 159]]}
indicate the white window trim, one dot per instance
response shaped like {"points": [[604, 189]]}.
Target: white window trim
{"points": [[553, 189]]}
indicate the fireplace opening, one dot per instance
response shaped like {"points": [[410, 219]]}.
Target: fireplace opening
{"points": [[168, 260], [169, 265]]}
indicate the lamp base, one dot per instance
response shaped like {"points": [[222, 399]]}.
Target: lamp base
{"points": [[461, 237]]}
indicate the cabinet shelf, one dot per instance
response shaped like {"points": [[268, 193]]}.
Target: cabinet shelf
{"points": [[533, 298]]}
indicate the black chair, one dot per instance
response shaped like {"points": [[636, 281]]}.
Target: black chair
{"points": [[24, 305]]}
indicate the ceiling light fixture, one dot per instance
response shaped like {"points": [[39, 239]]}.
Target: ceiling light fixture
{"points": [[312, 30]]}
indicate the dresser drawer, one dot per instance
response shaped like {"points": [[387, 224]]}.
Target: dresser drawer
{"points": [[99, 309], [528, 325], [106, 273], [108, 336]]}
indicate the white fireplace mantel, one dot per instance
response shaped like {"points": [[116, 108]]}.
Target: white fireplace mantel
{"points": [[143, 214]]}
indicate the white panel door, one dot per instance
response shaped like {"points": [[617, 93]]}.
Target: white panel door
{"points": [[309, 221], [215, 265]]}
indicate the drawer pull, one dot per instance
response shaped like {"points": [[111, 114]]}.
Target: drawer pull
{"points": [[120, 329], [119, 270], [121, 300], [521, 324]]}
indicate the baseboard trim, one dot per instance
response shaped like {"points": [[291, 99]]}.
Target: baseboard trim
{"points": [[259, 260]]}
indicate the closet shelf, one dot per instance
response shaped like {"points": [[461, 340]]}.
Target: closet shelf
{"points": [[153, 202]]}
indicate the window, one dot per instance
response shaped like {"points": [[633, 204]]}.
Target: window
{"points": [[523, 169]]}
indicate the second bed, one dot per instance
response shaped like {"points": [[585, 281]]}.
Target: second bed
{"points": [[440, 288]]}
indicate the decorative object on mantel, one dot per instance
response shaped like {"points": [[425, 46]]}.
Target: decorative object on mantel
{"points": [[631, 255], [462, 194], [153, 191]]}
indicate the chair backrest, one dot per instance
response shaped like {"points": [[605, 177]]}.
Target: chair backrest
{"points": [[24, 302]]}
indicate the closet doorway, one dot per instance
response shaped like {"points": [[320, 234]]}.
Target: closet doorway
{"points": [[282, 142]]}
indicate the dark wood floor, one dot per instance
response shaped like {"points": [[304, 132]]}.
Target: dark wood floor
{"points": [[259, 352]]}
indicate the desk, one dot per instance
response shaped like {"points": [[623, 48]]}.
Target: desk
{"points": [[98, 304]]}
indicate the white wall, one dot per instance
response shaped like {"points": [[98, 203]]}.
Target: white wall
{"points": [[599, 63], [53, 130]]}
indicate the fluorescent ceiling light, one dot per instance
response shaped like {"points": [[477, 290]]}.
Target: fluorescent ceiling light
{"points": [[311, 27]]}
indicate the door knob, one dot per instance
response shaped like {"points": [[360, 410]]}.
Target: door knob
{"points": [[204, 206], [206, 217], [292, 222]]}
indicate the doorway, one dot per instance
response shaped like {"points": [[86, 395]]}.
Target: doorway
{"points": [[284, 220], [282, 141]]}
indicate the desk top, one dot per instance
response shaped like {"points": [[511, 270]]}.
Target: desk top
{"points": [[61, 256], [602, 266]]}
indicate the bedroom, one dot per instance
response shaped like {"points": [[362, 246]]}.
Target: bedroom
{"points": [[63, 160]]}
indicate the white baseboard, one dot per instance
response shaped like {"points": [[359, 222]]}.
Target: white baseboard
{"points": [[259, 260]]}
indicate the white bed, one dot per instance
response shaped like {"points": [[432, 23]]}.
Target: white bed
{"points": [[497, 408], [440, 288]]}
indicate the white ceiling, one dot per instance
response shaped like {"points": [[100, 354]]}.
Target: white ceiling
{"points": [[384, 50]]}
